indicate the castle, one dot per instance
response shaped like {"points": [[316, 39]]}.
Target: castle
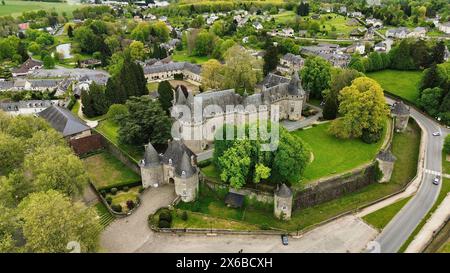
{"points": [[176, 166], [226, 106]]}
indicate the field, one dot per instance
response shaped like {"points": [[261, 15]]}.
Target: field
{"points": [[15, 8], [337, 21], [284, 17], [105, 170], [380, 218], [333, 155], [401, 83], [183, 56]]}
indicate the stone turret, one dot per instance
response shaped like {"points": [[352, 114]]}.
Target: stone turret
{"points": [[283, 202], [296, 98], [186, 178], [401, 114], [386, 162], [151, 168]]}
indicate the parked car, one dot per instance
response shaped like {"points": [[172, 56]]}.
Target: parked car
{"points": [[436, 180], [436, 134], [284, 239]]}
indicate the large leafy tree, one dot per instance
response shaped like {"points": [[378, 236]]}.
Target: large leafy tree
{"points": [[235, 164], [362, 107], [430, 100], [12, 153], [145, 122], [56, 168], [50, 221], [95, 102], [316, 76], [242, 71], [212, 74]]}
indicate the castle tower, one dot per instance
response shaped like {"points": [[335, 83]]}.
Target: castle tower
{"points": [[296, 98], [386, 162], [401, 114], [186, 178], [151, 168], [283, 202]]}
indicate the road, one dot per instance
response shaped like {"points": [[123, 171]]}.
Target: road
{"points": [[403, 224]]}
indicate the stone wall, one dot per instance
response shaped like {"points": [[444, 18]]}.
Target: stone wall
{"points": [[335, 187], [121, 155], [87, 144]]}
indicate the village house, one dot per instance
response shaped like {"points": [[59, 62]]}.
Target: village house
{"points": [[89, 63], [330, 52], [384, 46], [257, 25], [29, 107], [290, 63], [376, 23], [27, 67], [161, 72], [63, 121], [445, 27]]}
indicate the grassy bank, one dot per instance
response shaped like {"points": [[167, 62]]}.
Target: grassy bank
{"points": [[380, 218]]}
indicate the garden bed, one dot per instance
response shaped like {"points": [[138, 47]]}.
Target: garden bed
{"points": [[123, 200]]}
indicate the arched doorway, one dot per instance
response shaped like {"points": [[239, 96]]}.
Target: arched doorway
{"points": [[171, 181]]}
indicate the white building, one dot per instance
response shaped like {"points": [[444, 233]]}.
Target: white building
{"points": [[445, 27]]}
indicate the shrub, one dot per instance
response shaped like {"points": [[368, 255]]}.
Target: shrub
{"points": [[447, 144], [369, 137], [103, 193], [117, 208], [141, 189], [165, 215], [204, 163], [378, 172], [130, 204], [264, 226], [125, 188], [163, 224], [109, 200], [184, 216], [113, 191], [196, 206], [116, 112]]}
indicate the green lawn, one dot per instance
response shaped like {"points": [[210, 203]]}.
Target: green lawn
{"points": [[105, 170], [445, 248], [333, 155], [401, 83], [445, 164], [284, 17], [153, 86], [339, 22], [121, 197], [110, 130], [76, 108], [380, 218], [15, 8], [405, 147], [183, 56]]}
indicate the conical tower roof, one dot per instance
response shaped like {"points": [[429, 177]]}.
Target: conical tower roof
{"points": [[151, 156], [181, 98], [184, 168], [284, 191]]}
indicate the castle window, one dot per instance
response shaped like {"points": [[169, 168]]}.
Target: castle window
{"points": [[170, 161]]}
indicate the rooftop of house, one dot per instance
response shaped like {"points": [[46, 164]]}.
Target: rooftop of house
{"points": [[400, 108], [27, 65], [63, 121], [283, 191]]}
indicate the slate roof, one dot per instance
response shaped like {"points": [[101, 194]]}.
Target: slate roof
{"points": [[63, 121], [273, 79], [184, 168], [158, 68], [234, 200], [6, 85], [175, 151], [295, 59], [400, 108], [386, 156], [17, 105], [151, 156], [27, 65], [283, 191]]}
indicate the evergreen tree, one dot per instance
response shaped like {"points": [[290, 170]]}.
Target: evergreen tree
{"points": [[165, 95], [86, 101], [331, 107], [70, 31], [22, 50], [420, 53], [430, 78], [99, 101], [438, 52], [270, 59]]}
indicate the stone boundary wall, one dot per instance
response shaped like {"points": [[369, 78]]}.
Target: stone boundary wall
{"points": [[88, 144], [121, 155]]}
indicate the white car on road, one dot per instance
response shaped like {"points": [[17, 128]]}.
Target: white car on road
{"points": [[436, 180], [436, 134]]}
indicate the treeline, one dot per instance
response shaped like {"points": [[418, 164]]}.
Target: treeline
{"points": [[408, 55]]}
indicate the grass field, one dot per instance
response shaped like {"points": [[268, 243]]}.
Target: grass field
{"points": [[284, 17], [337, 21], [445, 164], [105, 170], [110, 131], [380, 218], [183, 56], [401, 83], [15, 8], [405, 147], [333, 155]]}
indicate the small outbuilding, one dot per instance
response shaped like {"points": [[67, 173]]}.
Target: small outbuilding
{"points": [[234, 200]]}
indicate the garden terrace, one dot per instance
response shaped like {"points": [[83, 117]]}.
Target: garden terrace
{"points": [[404, 84], [405, 147], [122, 197], [106, 171]]}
